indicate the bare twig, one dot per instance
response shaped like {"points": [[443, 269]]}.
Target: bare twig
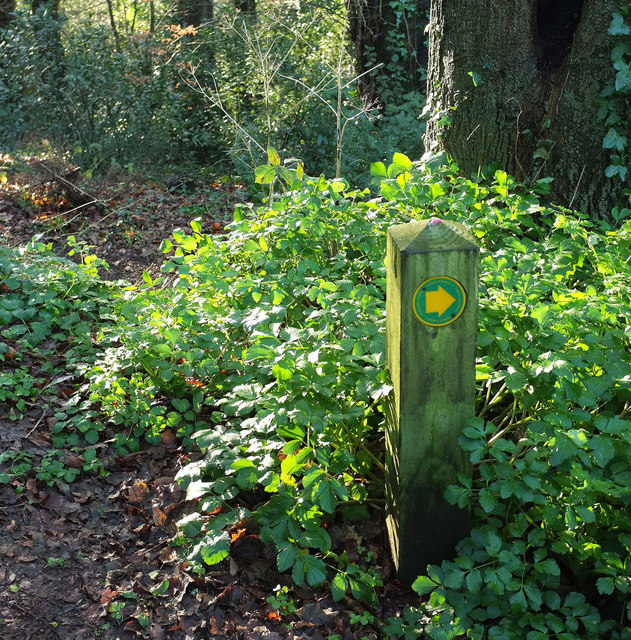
{"points": [[36, 424]]}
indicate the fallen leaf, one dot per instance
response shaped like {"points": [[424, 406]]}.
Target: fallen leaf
{"points": [[236, 535], [314, 614], [169, 440], [75, 462], [136, 492], [107, 595], [159, 517]]}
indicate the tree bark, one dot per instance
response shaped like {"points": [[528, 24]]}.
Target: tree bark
{"points": [[508, 79], [110, 11], [195, 12], [247, 8], [7, 7], [391, 35]]}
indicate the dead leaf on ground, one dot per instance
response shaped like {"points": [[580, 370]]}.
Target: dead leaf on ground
{"points": [[137, 492], [314, 614]]}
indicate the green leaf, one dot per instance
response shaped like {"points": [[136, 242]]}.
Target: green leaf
{"points": [[181, 404], [474, 581], [618, 26], [423, 585], [172, 335], [548, 566], [605, 586], [325, 497], [534, 596], [315, 570], [281, 370], [294, 463], [563, 449], [339, 586], [143, 620], [286, 558], [616, 170], [586, 514], [316, 538], [378, 169], [161, 589], [216, 549], [540, 313], [244, 463], [613, 140], [623, 78], [552, 600], [617, 425], [455, 494], [477, 79], [188, 243], [191, 525], [91, 436], [602, 450], [454, 578], [494, 582], [402, 161], [488, 501], [518, 602], [273, 157], [264, 174]]}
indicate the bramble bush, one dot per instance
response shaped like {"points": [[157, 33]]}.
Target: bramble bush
{"points": [[264, 348]]}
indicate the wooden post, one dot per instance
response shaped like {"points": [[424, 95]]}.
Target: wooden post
{"points": [[431, 333]]}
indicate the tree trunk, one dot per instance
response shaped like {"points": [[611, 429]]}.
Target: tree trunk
{"points": [[7, 7], [195, 12], [247, 9], [391, 34], [515, 83], [110, 11]]}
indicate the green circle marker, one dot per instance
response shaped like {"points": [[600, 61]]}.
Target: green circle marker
{"points": [[439, 301]]}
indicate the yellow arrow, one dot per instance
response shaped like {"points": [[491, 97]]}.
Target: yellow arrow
{"points": [[438, 301]]}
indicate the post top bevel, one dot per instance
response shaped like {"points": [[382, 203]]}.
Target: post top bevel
{"points": [[434, 234]]}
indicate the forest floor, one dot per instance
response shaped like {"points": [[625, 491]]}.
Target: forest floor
{"points": [[97, 558]]}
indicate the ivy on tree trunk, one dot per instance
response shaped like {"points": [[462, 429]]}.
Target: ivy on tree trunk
{"points": [[389, 33]]}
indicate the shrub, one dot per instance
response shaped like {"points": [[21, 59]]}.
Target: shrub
{"points": [[265, 348]]}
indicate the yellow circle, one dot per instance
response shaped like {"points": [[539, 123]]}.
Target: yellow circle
{"points": [[439, 301]]}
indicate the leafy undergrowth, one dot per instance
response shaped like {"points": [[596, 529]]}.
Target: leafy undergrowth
{"points": [[263, 349]]}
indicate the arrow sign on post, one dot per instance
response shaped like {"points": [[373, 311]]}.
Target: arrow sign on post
{"points": [[431, 334], [438, 301]]}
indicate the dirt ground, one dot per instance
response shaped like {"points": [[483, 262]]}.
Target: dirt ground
{"points": [[98, 558]]}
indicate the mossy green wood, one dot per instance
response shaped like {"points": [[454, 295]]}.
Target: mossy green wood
{"points": [[433, 375]]}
